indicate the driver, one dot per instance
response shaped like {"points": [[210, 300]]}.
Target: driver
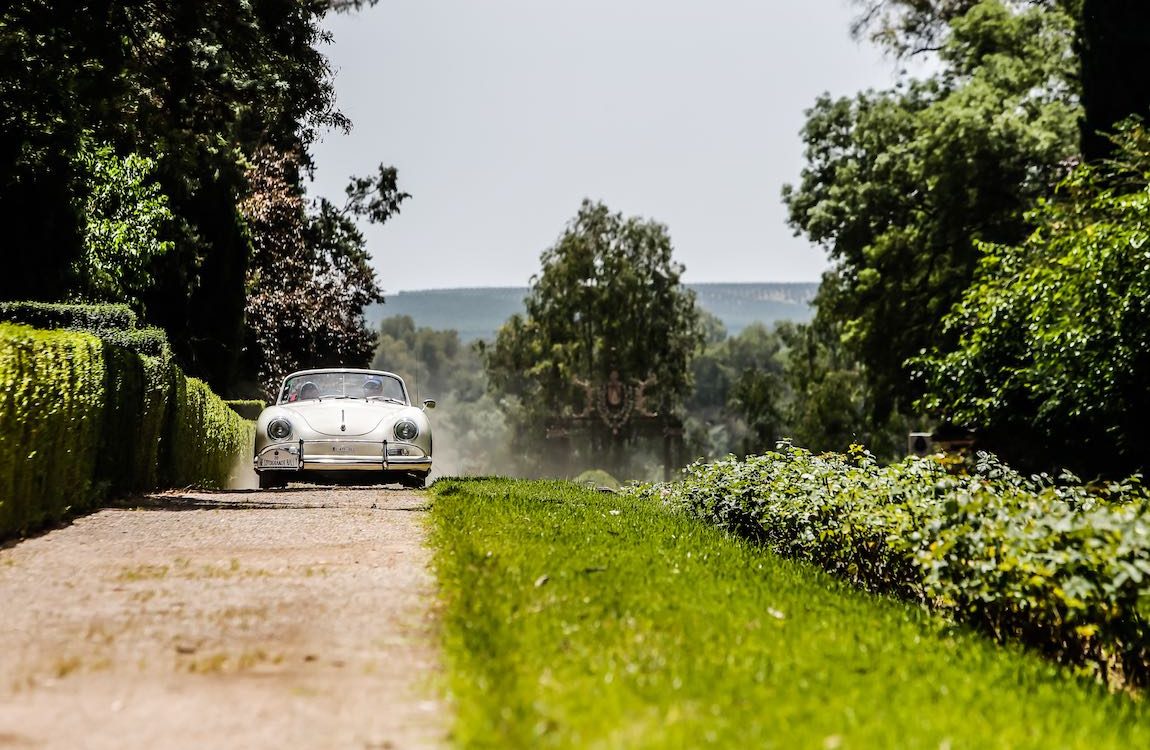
{"points": [[372, 387], [308, 392]]}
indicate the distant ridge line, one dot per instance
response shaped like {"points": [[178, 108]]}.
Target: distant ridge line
{"points": [[478, 312], [690, 285]]}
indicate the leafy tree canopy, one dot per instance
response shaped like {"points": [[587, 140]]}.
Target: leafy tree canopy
{"points": [[310, 275], [901, 184], [110, 108], [609, 297], [1054, 335]]}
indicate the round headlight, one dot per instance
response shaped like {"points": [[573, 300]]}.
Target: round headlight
{"points": [[279, 429], [406, 430]]}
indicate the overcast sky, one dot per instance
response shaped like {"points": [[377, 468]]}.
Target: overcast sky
{"points": [[502, 115]]}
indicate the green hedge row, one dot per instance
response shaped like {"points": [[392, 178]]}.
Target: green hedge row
{"points": [[82, 419], [115, 324], [96, 318], [1058, 565], [247, 408]]}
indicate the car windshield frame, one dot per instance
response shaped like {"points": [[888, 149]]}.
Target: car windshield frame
{"points": [[342, 384]]}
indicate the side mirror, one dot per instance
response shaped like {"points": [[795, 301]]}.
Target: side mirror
{"points": [[428, 403]]}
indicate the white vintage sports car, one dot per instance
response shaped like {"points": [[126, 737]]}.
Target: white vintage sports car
{"points": [[343, 426]]}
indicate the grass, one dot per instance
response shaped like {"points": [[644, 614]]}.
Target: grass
{"points": [[584, 620]]}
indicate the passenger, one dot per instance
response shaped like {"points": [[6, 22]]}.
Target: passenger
{"points": [[308, 392]]}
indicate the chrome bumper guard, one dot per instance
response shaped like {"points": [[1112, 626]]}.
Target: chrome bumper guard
{"points": [[342, 456]]}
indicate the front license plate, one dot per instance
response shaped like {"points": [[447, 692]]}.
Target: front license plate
{"points": [[279, 460]]}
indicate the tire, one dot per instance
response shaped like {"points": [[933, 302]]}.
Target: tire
{"points": [[269, 481], [414, 481]]}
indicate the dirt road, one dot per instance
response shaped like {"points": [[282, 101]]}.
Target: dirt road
{"points": [[296, 618]]}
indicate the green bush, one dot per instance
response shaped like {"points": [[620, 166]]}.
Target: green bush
{"points": [[1058, 565], [207, 437], [48, 315], [151, 342], [113, 323], [247, 408], [51, 410], [152, 422], [82, 419]]}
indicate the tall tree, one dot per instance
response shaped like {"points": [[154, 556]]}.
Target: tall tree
{"points": [[193, 89], [609, 297], [1053, 350], [311, 276], [899, 185]]}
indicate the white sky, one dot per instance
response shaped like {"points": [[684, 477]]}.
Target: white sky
{"points": [[502, 115]]}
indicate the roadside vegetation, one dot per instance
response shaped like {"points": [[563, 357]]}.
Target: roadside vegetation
{"points": [[1053, 563], [575, 618], [97, 408]]}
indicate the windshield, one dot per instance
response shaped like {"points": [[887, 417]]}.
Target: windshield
{"points": [[323, 385]]}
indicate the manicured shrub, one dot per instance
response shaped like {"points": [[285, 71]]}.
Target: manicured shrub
{"points": [[82, 419], [48, 315], [152, 342], [1061, 566], [207, 437], [152, 423], [248, 409], [51, 410], [115, 324]]}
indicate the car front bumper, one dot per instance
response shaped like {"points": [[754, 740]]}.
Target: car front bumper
{"points": [[342, 455]]}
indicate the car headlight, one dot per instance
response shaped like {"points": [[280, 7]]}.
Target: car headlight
{"points": [[279, 429], [406, 430]]}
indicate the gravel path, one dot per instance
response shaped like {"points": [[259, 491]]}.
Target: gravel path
{"points": [[297, 618]]}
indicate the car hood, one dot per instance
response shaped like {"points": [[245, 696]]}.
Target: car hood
{"points": [[345, 417]]}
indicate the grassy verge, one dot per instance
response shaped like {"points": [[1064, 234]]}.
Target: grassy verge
{"points": [[578, 619]]}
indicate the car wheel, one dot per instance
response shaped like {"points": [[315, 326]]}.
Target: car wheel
{"points": [[269, 481], [414, 481]]}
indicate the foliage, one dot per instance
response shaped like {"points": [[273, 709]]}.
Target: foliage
{"points": [[310, 275], [82, 419], [1057, 565], [578, 619], [906, 28], [112, 323], [900, 185], [793, 381], [1054, 335], [608, 297], [141, 111], [97, 318], [125, 219], [51, 387], [739, 391], [247, 408], [206, 438]]}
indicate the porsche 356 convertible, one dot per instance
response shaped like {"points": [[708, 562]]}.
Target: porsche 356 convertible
{"points": [[343, 426]]}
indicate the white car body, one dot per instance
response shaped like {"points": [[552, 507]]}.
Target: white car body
{"points": [[332, 426]]}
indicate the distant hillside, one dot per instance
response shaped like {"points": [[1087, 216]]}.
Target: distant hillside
{"points": [[478, 313]]}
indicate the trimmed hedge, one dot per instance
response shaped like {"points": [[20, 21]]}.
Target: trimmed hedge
{"points": [[96, 318], [82, 419], [115, 324], [51, 411], [1060, 566], [206, 437], [247, 408]]}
